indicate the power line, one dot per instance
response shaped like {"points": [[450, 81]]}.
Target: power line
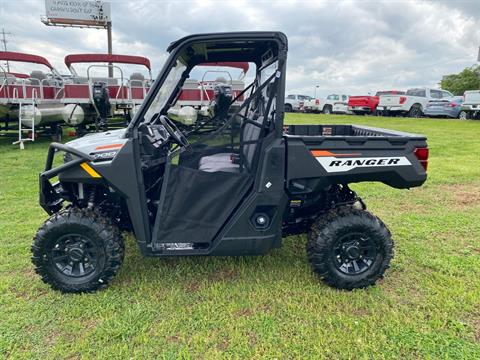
{"points": [[4, 41]]}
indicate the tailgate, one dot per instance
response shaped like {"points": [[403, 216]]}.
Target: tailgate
{"points": [[472, 97], [359, 101], [343, 154], [390, 100]]}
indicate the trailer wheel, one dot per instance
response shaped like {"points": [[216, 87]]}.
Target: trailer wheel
{"points": [[349, 248], [77, 250], [463, 115]]}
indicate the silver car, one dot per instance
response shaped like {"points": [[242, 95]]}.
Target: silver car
{"points": [[449, 108]]}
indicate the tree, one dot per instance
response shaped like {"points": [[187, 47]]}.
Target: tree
{"points": [[468, 79]]}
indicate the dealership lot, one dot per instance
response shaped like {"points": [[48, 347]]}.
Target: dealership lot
{"points": [[271, 305]]}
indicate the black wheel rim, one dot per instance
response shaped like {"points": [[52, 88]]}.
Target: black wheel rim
{"points": [[75, 256], [354, 253]]}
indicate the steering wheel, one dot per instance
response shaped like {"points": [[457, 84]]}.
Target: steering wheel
{"points": [[174, 132]]}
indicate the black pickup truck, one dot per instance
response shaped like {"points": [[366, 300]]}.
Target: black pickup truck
{"points": [[234, 185]]}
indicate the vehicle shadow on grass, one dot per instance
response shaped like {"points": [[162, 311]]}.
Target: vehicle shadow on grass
{"points": [[195, 272]]}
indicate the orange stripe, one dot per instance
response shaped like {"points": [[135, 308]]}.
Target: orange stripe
{"points": [[322, 153], [111, 146], [90, 171]]}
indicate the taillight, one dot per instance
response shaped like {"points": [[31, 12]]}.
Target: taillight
{"points": [[402, 99], [317, 102], [452, 104], [422, 156]]}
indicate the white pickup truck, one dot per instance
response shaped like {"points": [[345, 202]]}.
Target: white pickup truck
{"points": [[334, 103], [412, 103], [471, 105], [295, 102]]}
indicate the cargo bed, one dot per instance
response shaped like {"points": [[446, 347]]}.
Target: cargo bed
{"points": [[352, 153]]}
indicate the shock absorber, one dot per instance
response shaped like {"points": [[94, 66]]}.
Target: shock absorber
{"points": [[91, 197]]}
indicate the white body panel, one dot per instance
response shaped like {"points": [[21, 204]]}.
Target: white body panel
{"points": [[336, 103], [403, 103]]}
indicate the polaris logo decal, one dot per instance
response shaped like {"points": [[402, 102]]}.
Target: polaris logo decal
{"points": [[333, 164]]}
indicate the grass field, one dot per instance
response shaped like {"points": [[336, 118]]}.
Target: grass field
{"points": [[428, 305]]}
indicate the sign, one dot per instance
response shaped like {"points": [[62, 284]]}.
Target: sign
{"points": [[77, 12]]}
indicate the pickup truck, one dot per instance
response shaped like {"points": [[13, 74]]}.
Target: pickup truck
{"points": [[470, 108], [202, 192], [332, 103], [412, 104], [367, 104], [295, 102]]}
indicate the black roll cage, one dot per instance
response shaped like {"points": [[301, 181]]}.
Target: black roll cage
{"points": [[178, 46]]}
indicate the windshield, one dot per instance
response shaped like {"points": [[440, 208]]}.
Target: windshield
{"points": [[165, 91]]}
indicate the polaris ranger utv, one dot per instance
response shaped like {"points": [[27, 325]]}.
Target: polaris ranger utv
{"points": [[236, 189]]}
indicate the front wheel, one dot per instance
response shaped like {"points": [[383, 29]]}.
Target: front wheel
{"points": [[288, 108], [327, 110], [77, 250], [349, 248]]}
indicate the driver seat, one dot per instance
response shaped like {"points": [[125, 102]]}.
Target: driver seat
{"points": [[226, 161]]}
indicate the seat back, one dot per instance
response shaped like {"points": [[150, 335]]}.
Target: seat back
{"points": [[250, 134]]}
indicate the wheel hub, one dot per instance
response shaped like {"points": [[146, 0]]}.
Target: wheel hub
{"points": [[75, 255], [354, 253]]}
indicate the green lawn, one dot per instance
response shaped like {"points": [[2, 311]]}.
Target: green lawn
{"points": [[428, 305]]}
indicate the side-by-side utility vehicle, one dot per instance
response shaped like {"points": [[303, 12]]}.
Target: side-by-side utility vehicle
{"points": [[235, 189]]}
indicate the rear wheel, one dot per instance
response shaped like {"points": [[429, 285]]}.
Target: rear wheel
{"points": [[349, 248], [415, 112], [288, 108], [77, 250], [327, 109], [463, 115]]}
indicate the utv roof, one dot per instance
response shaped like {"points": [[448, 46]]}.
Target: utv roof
{"points": [[21, 57], [122, 59], [230, 36], [240, 65]]}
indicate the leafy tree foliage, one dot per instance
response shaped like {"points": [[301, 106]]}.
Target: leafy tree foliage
{"points": [[468, 79]]}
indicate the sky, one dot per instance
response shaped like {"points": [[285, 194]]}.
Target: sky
{"points": [[351, 47]]}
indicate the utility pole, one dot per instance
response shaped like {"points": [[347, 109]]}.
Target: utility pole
{"points": [[109, 40], [4, 40]]}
